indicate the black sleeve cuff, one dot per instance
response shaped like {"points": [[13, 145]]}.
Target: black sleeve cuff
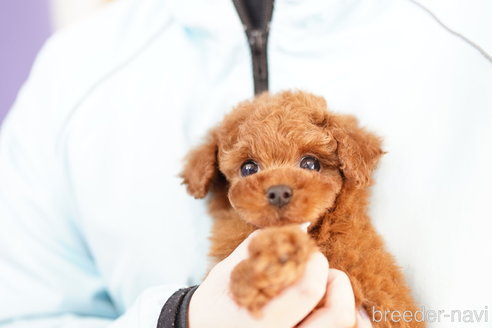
{"points": [[174, 313]]}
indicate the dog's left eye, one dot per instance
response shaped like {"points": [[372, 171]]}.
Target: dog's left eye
{"points": [[248, 168], [310, 163]]}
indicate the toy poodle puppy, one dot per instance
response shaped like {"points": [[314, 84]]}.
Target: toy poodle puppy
{"points": [[281, 160]]}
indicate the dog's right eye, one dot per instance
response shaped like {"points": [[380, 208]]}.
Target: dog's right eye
{"points": [[248, 168]]}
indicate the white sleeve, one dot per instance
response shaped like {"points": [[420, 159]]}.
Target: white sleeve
{"points": [[47, 275]]}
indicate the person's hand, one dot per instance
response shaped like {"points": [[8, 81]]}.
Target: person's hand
{"points": [[339, 309], [212, 306]]}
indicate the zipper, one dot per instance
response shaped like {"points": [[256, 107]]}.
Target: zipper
{"points": [[258, 42]]}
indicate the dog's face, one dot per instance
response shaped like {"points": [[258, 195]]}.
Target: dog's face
{"points": [[281, 164], [284, 157]]}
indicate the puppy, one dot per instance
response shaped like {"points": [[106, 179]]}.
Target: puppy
{"points": [[280, 160]]}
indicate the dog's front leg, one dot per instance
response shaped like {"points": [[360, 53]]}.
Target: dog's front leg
{"points": [[277, 259]]}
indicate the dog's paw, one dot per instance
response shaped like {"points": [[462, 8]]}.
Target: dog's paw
{"points": [[277, 259]]}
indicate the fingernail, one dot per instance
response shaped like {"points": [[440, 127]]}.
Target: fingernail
{"points": [[363, 314], [304, 226]]}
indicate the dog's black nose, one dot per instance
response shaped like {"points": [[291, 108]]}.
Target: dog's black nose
{"points": [[279, 195]]}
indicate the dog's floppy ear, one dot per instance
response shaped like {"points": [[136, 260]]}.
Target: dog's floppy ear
{"points": [[201, 167], [358, 150]]}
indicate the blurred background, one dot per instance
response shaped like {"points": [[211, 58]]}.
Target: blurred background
{"points": [[24, 27], [26, 24]]}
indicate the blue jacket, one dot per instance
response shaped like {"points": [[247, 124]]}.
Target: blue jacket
{"points": [[95, 228]]}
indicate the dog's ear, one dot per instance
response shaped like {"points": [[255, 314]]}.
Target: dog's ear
{"points": [[358, 150], [201, 167]]}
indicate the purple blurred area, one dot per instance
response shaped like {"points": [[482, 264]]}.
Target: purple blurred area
{"points": [[24, 26]]}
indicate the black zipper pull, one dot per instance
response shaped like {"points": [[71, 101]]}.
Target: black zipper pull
{"points": [[257, 31], [258, 46]]}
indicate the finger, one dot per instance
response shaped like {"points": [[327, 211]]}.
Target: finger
{"points": [[339, 308], [339, 293], [297, 301]]}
